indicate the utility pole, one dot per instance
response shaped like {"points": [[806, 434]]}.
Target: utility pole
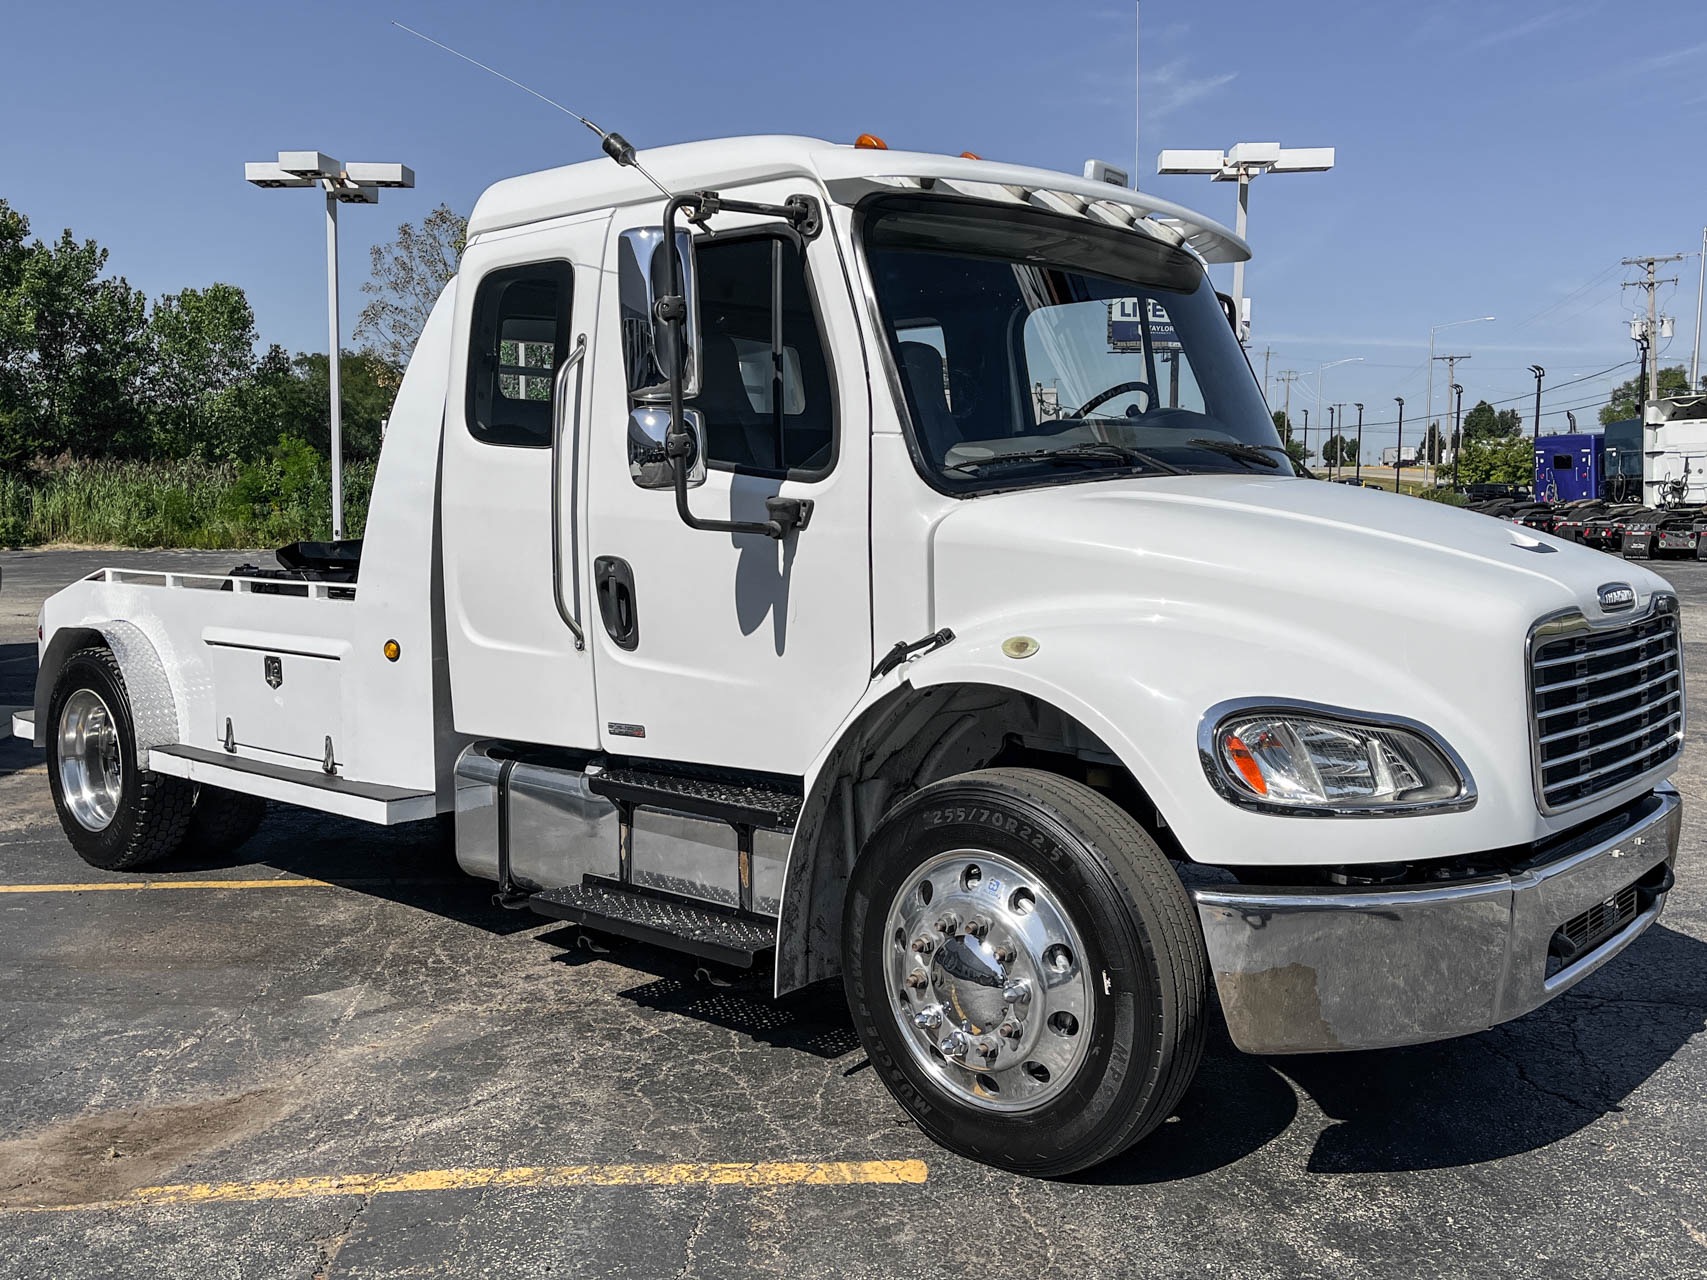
{"points": [[1539, 373], [1700, 289], [1306, 414], [1451, 380], [1357, 460], [1266, 353], [1399, 449], [1288, 376], [1457, 419], [1651, 331]]}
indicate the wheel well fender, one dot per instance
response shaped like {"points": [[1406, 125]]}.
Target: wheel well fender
{"points": [[915, 733], [153, 702]]}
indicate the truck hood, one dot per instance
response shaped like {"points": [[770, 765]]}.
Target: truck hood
{"points": [[1291, 551], [1155, 601]]}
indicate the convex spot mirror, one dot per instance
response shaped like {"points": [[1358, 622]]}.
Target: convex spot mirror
{"points": [[648, 463], [648, 351]]}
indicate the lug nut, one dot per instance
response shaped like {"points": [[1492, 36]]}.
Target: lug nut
{"points": [[1017, 992], [987, 1049], [977, 927], [948, 922], [1002, 953], [928, 1019], [923, 945], [1012, 1029], [918, 980], [955, 1044]]}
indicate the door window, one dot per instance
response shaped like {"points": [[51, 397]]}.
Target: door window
{"points": [[764, 381], [520, 337]]}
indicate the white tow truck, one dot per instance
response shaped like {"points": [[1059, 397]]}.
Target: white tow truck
{"points": [[883, 565]]}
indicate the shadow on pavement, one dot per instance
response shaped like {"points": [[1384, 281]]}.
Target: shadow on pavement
{"points": [[17, 689], [1518, 1087]]}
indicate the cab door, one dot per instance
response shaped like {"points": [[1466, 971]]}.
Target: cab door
{"points": [[515, 568], [735, 649]]}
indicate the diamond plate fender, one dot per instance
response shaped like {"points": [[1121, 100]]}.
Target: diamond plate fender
{"points": [[153, 704]]}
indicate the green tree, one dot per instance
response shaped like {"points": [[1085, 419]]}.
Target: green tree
{"points": [[408, 276], [1482, 422], [367, 384], [1496, 459], [1339, 451], [202, 344], [1627, 397], [73, 347], [1431, 447]]}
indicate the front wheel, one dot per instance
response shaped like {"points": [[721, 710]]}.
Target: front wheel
{"points": [[1025, 970]]}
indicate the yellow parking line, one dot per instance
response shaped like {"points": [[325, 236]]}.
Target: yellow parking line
{"points": [[98, 886], [765, 1173]]}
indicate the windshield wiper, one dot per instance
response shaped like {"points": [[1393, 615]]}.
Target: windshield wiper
{"points": [[1073, 454], [1239, 449]]}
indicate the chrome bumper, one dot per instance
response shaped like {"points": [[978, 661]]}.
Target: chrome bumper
{"points": [[1311, 970]]}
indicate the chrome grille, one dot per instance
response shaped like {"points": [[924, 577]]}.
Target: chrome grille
{"points": [[1607, 703]]}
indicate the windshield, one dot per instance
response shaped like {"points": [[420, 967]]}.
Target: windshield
{"points": [[1032, 349]]}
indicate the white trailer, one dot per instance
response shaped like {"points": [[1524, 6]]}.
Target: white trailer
{"points": [[775, 622], [1674, 450]]}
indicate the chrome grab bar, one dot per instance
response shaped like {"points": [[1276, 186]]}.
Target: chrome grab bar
{"points": [[558, 416]]}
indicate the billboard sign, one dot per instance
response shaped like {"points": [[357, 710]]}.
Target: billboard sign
{"points": [[1126, 322]]}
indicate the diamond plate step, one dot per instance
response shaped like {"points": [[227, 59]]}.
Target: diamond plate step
{"points": [[704, 931], [730, 798]]}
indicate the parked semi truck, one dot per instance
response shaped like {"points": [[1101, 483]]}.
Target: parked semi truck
{"points": [[725, 580]]}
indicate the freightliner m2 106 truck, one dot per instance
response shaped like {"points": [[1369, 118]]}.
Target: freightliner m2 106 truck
{"points": [[795, 569]]}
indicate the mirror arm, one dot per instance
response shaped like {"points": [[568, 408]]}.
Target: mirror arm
{"points": [[786, 514]]}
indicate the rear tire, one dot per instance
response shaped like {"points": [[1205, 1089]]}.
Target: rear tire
{"points": [[1069, 986], [118, 817], [222, 821]]}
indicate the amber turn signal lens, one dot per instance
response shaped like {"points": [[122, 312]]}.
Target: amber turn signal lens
{"points": [[870, 142], [393, 651], [970, 155], [1239, 755]]}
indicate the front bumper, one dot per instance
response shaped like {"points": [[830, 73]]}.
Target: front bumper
{"points": [[1311, 970]]}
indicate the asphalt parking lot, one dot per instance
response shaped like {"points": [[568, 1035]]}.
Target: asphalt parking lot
{"points": [[331, 1055]]}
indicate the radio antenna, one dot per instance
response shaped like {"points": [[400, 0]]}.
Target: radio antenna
{"points": [[615, 146]]}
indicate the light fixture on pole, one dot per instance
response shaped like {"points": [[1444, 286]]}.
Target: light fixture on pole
{"points": [[1240, 165], [1357, 459], [1399, 448], [1428, 412], [343, 184], [1457, 420], [1539, 373]]}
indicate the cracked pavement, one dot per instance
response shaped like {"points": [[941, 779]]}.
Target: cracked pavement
{"points": [[399, 1022]]}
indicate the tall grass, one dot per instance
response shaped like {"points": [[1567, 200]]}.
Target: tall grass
{"points": [[284, 498]]}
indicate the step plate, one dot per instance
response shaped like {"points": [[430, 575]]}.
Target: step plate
{"points": [[681, 926], [730, 799]]}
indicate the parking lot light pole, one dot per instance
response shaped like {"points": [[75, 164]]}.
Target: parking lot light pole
{"points": [[1539, 373], [1329, 365], [1331, 448], [1457, 441], [1399, 448], [1240, 164], [343, 184], [1357, 458], [1306, 414]]}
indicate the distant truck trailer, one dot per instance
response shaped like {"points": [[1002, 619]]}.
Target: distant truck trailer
{"points": [[1399, 456]]}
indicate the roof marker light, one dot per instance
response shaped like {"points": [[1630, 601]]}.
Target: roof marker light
{"points": [[970, 155], [870, 142]]}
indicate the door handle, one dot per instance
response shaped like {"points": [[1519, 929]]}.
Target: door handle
{"points": [[559, 415], [613, 581]]}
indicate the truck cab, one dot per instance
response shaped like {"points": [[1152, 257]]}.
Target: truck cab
{"points": [[883, 566]]}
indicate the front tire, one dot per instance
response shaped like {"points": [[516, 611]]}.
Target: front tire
{"points": [[1025, 970], [118, 817]]}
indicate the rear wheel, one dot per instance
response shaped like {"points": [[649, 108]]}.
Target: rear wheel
{"points": [[222, 821], [116, 815], [1025, 970]]}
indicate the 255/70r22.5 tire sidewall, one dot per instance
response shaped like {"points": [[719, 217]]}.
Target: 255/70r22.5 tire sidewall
{"points": [[1144, 957], [153, 810]]}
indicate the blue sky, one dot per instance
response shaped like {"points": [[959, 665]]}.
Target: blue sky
{"points": [[1494, 158]]}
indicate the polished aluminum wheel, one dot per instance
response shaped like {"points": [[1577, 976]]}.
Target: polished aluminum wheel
{"points": [[985, 973], [91, 770]]}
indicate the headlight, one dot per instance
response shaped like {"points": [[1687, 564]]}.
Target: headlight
{"points": [[1324, 761]]}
